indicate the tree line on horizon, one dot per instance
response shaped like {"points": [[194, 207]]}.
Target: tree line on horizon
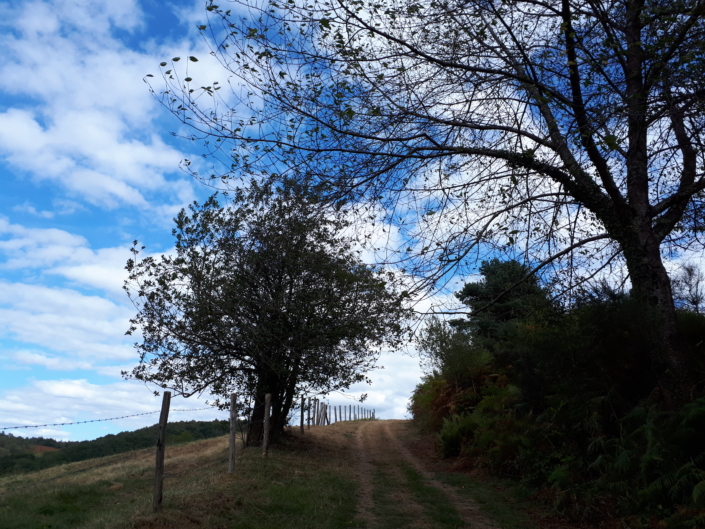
{"points": [[17, 454]]}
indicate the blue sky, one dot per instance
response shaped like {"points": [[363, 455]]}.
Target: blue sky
{"points": [[88, 164]]}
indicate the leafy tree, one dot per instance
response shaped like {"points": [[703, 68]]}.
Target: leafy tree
{"points": [[263, 296], [506, 294], [450, 351], [508, 307], [568, 132]]}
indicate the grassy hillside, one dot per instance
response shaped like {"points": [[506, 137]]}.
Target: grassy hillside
{"points": [[299, 485], [349, 475], [21, 454]]}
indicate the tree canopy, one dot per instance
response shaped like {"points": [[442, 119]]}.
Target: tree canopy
{"points": [[262, 296], [567, 133]]}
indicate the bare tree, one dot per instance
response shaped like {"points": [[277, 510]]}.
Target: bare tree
{"points": [[567, 133]]}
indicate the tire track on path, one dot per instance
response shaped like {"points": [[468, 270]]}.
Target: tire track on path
{"points": [[384, 499], [365, 471], [467, 509]]}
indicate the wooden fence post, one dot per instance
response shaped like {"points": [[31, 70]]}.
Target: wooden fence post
{"points": [[303, 405], [161, 445], [267, 409], [335, 414], [308, 412], [233, 422]]}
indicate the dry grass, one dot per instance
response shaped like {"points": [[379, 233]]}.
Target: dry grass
{"points": [[349, 475], [302, 480]]}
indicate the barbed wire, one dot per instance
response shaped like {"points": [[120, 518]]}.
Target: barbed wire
{"points": [[97, 420]]}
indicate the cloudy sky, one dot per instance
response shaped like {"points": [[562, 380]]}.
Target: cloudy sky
{"points": [[88, 165]]}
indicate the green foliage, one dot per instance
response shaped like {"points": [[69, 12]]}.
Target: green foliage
{"points": [[263, 296], [22, 459], [567, 404], [450, 350]]}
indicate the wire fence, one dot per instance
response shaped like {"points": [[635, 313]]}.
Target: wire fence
{"points": [[86, 469], [322, 414], [96, 420]]}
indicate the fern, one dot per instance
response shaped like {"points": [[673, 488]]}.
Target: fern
{"points": [[699, 491]]}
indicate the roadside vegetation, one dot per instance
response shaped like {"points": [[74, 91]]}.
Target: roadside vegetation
{"points": [[559, 397]]}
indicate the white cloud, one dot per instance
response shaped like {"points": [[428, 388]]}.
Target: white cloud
{"points": [[63, 364], [58, 252], [86, 128], [65, 321], [391, 387], [70, 400]]}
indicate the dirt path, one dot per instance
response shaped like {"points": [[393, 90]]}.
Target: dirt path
{"points": [[397, 490]]}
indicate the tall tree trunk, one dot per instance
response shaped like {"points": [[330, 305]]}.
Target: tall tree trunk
{"points": [[256, 427], [266, 383], [652, 286]]}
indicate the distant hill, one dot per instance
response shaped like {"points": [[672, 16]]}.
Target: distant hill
{"points": [[26, 454]]}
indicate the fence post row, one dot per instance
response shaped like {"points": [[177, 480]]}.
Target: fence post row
{"points": [[265, 437], [233, 417], [303, 401], [161, 445]]}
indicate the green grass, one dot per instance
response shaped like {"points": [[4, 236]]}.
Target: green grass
{"points": [[435, 503], [301, 485], [288, 491], [495, 504], [305, 483], [388, 510]]}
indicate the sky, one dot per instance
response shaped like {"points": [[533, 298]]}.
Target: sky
{"points": [[88, 164]]}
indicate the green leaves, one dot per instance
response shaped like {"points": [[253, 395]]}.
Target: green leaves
{"points": [[611, 142]]}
